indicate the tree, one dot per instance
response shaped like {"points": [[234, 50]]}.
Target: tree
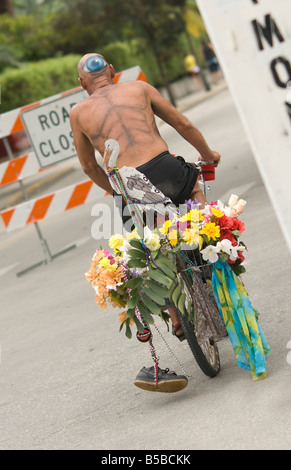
{"points": [[6, 7], [160, 23]]}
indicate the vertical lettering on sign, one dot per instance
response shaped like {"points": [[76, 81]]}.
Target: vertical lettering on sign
{"points": [[285, 64], [268, 31]]}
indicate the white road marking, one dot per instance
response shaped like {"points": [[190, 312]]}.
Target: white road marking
{"points": [[238, 191], [79, 242], [3, 271]]}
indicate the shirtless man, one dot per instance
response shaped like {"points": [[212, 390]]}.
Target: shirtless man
{"points": [[125, 112]]}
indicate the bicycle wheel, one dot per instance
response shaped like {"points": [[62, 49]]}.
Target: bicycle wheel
{"points": [[206, 354]]}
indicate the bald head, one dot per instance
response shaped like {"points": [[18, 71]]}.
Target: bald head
{"points": [[92, 64], [94, 72]]}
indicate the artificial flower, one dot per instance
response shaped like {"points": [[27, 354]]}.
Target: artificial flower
{"points": [[173, 237], [191, 236], [165, 227], [211, 230], [133, 234], [116, 241], [151, 239], [217, 212], [233, 200], [122, 317], [210, 253], [227, 247], [106, 263]]}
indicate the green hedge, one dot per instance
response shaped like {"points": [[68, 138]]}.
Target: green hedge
{"points": [[36, 81]]}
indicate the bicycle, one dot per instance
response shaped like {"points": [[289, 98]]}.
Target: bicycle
{"points": [[192, 272]]}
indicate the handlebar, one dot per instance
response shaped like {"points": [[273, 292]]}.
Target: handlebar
{"points": [[202, 163]]}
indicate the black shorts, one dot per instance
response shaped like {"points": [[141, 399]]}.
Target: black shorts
{"points": [[173, 176]]}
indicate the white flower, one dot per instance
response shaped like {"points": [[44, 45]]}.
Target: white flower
{"points": [[151, 239], [226, 247], [114, 287], [210, 253]]}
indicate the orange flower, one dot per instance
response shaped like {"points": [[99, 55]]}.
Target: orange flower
{"points": [[122, 317]]}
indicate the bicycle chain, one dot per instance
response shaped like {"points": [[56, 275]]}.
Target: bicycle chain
{"points": [[171, 352]]}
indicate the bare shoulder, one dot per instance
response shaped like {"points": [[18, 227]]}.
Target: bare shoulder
{"points": [[78, 107], [138, 86]]}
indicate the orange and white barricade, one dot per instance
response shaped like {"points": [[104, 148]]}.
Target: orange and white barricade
{"points": [[27, 165]]}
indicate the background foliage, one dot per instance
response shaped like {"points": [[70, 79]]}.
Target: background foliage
{"points": [[41, 42]]}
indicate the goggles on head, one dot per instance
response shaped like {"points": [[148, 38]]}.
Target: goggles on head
{"points": [[94, 64]]}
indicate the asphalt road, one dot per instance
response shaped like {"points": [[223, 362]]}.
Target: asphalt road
{"points": [[66, 373]]}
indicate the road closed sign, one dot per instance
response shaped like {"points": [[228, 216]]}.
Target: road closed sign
{"points": [[48, 128], [252, 39]]}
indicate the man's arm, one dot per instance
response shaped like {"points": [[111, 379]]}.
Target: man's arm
{"points": [[168, 113], [86, 155]]}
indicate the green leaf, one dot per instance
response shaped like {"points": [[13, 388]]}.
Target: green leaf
{"points": [[160, 277], [135, 263], [155, 297], [135, 282], [165, 259], [176, 294], [157, 288], [128, 332], [139, 325], [169, 273], [134, 296], [224, 257], [136, 244], [176, 248], [172, 288], [136, 254], [236, 233], [181, 303], [146, 315], [152, 306], [130, 313]]}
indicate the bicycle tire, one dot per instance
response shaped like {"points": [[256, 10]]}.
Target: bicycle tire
{"points": [[206, 355]]}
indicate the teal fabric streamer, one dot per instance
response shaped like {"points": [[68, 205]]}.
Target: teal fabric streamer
{"points": [[241, 320]]}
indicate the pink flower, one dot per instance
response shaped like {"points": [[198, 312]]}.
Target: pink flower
{"points": [[236, 205], [233, 200], [240, 206]]}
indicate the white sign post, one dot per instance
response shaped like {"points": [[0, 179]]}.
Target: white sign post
{"points": [[48, 128], [253, 43]]}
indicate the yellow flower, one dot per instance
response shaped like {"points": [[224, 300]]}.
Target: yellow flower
{"points": [[116, 241], [105, 263], [201, 217], [133, 234], [165, 228], [173, 237], [211, 230], [216, 212], [154, 243], [192, 215], [191, 236]]}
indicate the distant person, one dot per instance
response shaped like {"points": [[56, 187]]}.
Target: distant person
{"points": [[211, 60], [194, 70]]}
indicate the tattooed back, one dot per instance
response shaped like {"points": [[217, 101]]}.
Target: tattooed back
{"points": [[124, 112]]}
